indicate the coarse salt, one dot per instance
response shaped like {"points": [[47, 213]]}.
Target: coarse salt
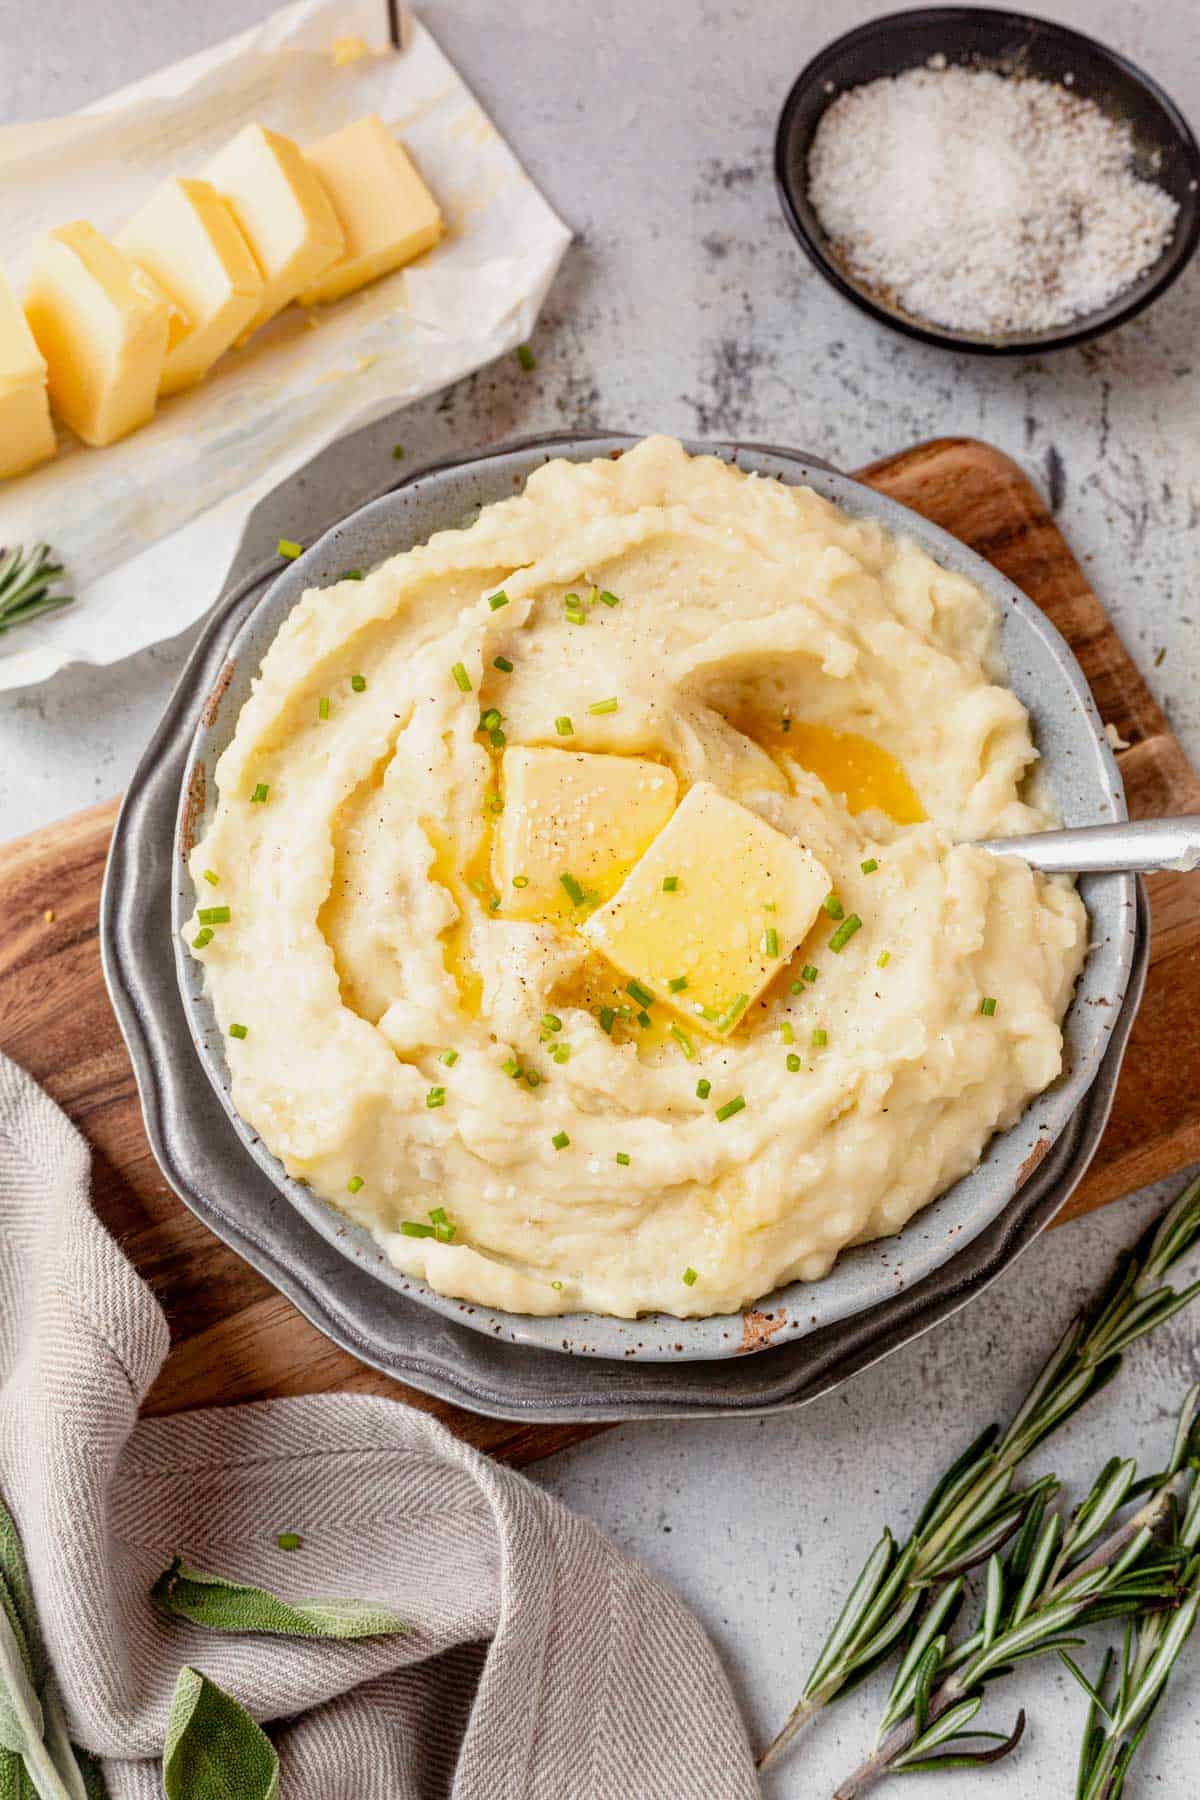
{"points": [[990, 204]]}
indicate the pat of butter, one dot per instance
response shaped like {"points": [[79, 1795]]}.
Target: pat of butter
{"points": [[282, 211], [386, 212], [26, 434], [739, 897], [188, 240], [101, 323], [575, 813]]}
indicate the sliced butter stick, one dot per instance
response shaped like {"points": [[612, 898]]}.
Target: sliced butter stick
{"points": [[26, 433], [386, 212], [188, 240], [283, 213]]}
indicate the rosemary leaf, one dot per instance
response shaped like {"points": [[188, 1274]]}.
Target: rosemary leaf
{"points": [[28, 583], [214, 1748], [224, 1605]]}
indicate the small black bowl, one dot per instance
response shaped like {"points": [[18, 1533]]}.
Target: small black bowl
{"points": [[1010, 43]]}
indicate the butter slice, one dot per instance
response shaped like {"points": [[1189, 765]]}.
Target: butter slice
{"points": [[738, 881], [26, 434], [282, 211], [101, 324], [386, 212], [187, 239], [573, 812]]}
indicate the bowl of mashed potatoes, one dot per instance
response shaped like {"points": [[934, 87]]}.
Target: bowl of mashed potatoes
{"points": [[582, 911]]}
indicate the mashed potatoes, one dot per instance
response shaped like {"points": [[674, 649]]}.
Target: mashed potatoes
{"points": [[438, 1044]]}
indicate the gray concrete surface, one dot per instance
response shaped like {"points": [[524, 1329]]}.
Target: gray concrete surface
{"points": [[685, 306]]}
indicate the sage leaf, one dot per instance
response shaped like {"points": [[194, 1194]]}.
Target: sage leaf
{"points": [[60, 1747], [14, 1572], [214, 1749], [20, 1708], [224, 1605]]}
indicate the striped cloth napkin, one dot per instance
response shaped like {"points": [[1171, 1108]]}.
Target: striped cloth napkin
{"points": [[541, 1661]]}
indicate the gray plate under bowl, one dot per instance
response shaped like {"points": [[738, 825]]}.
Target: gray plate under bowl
{"points": [[878, 1296]]}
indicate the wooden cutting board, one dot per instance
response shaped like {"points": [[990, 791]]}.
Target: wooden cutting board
{"points": [[235, 1338]]}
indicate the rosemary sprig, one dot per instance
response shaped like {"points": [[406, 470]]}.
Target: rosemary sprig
{"points": [[1055, 1579], [974, 1508], [27, 585]]}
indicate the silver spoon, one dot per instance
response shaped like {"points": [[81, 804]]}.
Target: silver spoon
{"points": [[1137, 847]]}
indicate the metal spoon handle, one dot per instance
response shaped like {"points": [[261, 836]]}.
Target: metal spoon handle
{"points": [[1137, 847]]}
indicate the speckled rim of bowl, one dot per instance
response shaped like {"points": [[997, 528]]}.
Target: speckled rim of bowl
{"points": [[898, 41], [1076, 756]]}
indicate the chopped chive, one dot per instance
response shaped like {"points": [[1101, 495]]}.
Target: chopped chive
{"points": [[435, 1097], [557, 1286], [440, 1220], [733, 1012], [869, 867], [560, 1140], [493, 803], [607, 599], [211, 876], [497, 600], [289, 1540], [797, 987], [670, 883], [689, 1278], [643, 1019], [494, 903], [809, 973], [987, 1006], [573, 890], [214, 915], [289, 549], [323, 707], [703, 1089], [575, 615], [786, 1032], [526, 358], [358, 683], [260, 793], [819, 1038], [845, 931], [202, 938], [532, 1078], [354, 1183], [502, 663], [512, 1067], [623, 1159], [770, 941], [603, 706], [677, 983], [561, 1053], [572, 602], [736, 1105], [238, 1031], [684, 1041], [354, 575], [497, 739], [551, 1022], [397, 452], [449, 1057], [637, 992], [883, 959], [461, 679], [833, 906], [793, 1062], [563, 726], [607, 1019], [489, 720], [414, 1228], [520, 881]]}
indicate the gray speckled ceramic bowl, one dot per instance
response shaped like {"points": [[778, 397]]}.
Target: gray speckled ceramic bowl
{"points": [[1076, 758]]}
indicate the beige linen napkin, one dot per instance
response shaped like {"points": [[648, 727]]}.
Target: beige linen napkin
{"points": [[542, 1662]]}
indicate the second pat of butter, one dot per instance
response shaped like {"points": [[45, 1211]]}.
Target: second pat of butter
{"points": [[26, 434], [186, 237], [282, 211], [101, 324], [712, 911], [386, 212]]}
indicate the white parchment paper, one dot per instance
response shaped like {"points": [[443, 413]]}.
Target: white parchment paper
{"points": [[148, 526]]}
